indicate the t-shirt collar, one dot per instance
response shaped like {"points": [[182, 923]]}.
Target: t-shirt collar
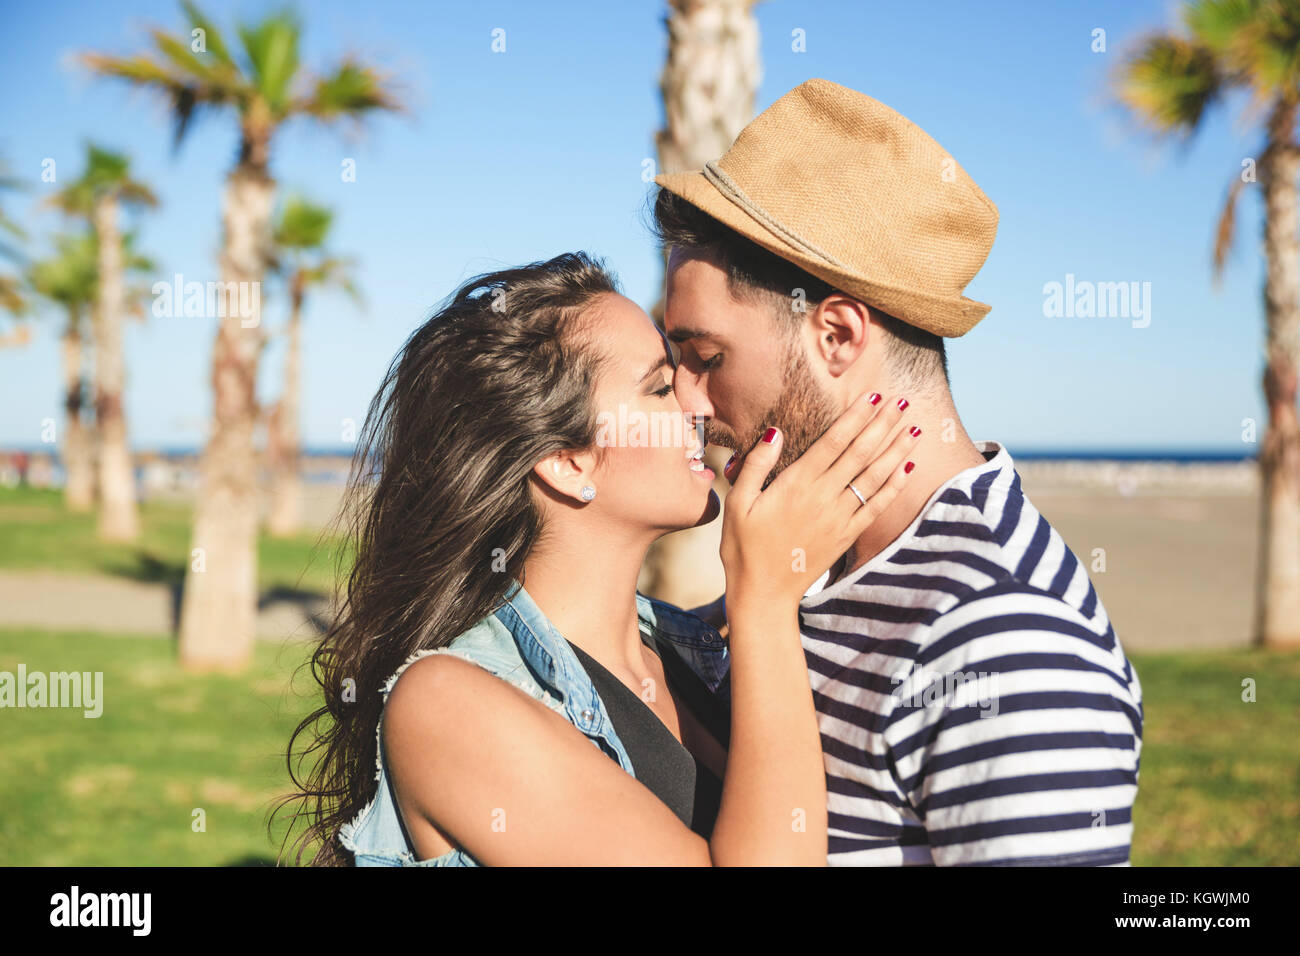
{"points": [[996, 458]]}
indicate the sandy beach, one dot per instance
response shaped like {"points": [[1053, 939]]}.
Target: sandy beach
{"points": [[1179, 544]]}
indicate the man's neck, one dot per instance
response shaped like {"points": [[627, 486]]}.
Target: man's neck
{"points": [[937, 462]]}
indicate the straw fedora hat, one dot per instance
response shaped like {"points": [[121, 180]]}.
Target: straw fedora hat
{"points": [[859, 196]]}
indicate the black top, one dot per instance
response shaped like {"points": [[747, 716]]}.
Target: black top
{"points": [[689, 788]]}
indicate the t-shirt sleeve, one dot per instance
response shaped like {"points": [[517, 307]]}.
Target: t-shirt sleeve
{"points": [[1016, 737]]}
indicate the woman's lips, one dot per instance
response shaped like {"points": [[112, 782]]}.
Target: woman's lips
{"points": [[696, 464]]}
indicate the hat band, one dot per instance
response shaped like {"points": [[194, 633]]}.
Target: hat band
{"points": [[727, 186]]}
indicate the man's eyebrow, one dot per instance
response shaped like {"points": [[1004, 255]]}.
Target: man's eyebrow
{"points": [[656, 366], [680, 334]]}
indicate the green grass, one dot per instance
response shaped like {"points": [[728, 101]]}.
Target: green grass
{"points": [[121, 789], [39, 534], [1220, 782], [1220, 778]]}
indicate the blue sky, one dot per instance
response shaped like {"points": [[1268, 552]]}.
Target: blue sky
{"points": [[510, 157]]}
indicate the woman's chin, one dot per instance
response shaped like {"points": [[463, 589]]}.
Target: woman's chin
{"points": [[712, 508], [708, 509]]}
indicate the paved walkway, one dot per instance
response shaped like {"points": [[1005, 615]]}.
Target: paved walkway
{"points": [[96, 602]]}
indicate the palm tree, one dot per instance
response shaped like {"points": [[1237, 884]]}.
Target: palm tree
{"points": [[1169, 82], [709, 83], [709, 86], [103, 187], [260, 86], [67, 279], [299, 236]]}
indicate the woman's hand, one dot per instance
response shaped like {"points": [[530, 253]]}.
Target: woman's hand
{"points": [[777, 541]]}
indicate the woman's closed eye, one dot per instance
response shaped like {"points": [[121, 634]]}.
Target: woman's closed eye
{"points": [[665, 391]]}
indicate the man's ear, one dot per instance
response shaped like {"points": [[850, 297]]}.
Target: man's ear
{"points": [[564, 473], [841, 326]]}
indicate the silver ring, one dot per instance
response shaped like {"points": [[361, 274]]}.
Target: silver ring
{"points": [[858, 493]]}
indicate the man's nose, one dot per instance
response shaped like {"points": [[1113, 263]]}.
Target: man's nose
{"points": [[693, 399]]}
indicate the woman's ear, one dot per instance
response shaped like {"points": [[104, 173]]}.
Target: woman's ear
{"points": [[566, 473]]}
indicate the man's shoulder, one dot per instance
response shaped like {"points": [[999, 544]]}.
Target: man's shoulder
{"points": [[979, 560], [1006, 580], [1012, 606], [1003, 552]]}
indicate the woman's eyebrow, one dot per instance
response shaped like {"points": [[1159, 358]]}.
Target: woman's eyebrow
{"points": [[656, 366]]}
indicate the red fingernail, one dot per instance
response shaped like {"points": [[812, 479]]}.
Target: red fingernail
{"points": [[902, 404], [875, 398], [907, 469], [914, 431], [730, 461], [769, 435]]}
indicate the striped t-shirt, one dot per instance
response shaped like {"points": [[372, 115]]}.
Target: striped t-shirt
{"points": [[974, 702]]}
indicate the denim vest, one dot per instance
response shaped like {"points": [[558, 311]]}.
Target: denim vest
{"points": [[517, 643]]}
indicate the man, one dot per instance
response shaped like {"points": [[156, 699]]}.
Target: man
{"points": [[975, 704]]}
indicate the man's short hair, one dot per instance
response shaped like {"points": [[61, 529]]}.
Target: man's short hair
{"points": [[754, 275]]}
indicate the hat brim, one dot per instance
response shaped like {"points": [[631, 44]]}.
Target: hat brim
{"points": [[947, 316]]}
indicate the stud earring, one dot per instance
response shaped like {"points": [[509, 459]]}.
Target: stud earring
{"points": [[588, 492]]}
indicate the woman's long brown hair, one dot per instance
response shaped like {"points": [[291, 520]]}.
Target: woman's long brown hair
{"points": [[438, 512]]}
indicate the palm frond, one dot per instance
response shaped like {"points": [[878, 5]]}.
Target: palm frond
{"points": [[105, 172], [1257, 42], [215, 42], [271, 46], [349, 91], [183, 92], [302, 224], [68, 277], [77, 198], [1169, 82], [1218, 24], [7, 225], [133, 260], [11, 296], [334, 271], [1225, 231]]}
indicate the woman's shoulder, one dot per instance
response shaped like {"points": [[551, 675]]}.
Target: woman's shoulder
{"points": [[490, 646], [474, 678], [437, 685]]}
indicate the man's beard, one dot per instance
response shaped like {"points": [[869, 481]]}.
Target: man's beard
{"points": [[802, 412]]}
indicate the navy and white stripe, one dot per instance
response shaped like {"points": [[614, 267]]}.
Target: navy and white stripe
{"points": [[1036, 760]]}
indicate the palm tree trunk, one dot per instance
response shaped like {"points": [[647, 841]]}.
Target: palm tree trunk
{"points": [[118, 517], [1278, 598], [709, 86], [283, 440], [219, 608], [78, 461]]}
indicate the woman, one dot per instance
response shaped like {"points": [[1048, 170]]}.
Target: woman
{"points": [[503, 458]]}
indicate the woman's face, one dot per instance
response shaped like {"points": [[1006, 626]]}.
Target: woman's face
{"points": [[650, 474]]}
